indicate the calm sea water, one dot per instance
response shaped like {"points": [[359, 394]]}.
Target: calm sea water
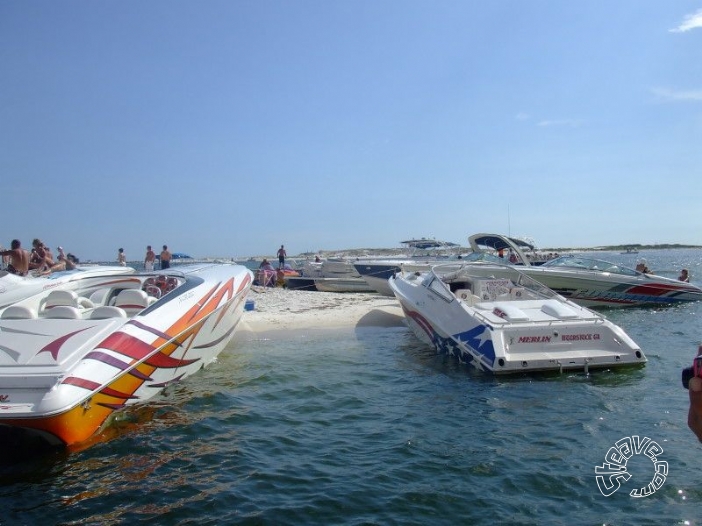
{"points": [[371, 427]]}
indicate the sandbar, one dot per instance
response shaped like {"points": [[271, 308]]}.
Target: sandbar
{"points": [[278, 311]]}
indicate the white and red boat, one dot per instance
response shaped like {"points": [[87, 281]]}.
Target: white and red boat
{"points": [[69, 360]]}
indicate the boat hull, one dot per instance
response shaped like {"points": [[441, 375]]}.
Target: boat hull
{"points": [[604, 291], [300, 283], [67, 383], [342, 285]]}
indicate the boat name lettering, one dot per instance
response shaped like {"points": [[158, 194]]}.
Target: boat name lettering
{"points": [[534, 339], [579, 337], [186, 296]]}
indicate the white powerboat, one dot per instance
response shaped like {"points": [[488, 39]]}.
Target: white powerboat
{"points": [[592, 282], [423, 253], [15, 288], [330, 275], [341, 285], [69, 361], [501, 321]]}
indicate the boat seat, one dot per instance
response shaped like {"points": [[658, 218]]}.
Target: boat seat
{"points": [[509, 312], [467, 297], [133, 300], [107, 311], [64, 312], [99, 296], [153, 291], [556, 309], [61, 297], [18, 312]]}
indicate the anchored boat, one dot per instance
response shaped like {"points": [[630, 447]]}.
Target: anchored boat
{"points": [[499, 320], [70, 359]]}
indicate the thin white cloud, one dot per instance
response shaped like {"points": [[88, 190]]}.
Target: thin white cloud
{"points": [[669, 95], [571, 123], [690, 22], [521, 116]]}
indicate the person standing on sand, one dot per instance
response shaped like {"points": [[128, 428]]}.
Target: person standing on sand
{"points": [[150, 258], [281, 256], [18, 263], [165, 257]]}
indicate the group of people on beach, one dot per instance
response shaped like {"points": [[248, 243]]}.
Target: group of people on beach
{"points": [[40, 259], [150, 259], [267, 276]]}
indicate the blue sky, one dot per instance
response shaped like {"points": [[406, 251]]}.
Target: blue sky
{"points": [[228, 128]]}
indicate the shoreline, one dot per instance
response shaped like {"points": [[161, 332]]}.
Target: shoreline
{"points": [[278, 311]]}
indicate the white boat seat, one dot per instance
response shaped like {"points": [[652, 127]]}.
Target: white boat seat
{"points": [[18, 312], [133, 300], [61, 297], [467, 297], [99, 296], [107, 311], [85, 303], [556, 309], [509, 312], [64, 312], [491, 288]]}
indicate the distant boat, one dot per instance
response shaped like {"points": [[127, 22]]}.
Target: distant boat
{"points": [[630, 250]]}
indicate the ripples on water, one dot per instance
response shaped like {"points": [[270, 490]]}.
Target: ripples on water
{"points": [[372, 427]]}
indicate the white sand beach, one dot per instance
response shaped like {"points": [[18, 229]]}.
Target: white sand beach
{"points": [[278, 311]]}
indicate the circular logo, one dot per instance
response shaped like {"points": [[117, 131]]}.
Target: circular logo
{"points": [[610, 474]]}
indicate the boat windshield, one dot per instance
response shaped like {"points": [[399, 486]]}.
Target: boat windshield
{"points": [[578, 262], [474, 257]]}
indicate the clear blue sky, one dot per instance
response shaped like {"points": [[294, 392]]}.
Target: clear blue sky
{"points": [[228, 128]]}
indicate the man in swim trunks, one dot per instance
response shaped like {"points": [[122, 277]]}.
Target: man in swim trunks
{"points": [[165, 257], [150, 258], [19, 259]]}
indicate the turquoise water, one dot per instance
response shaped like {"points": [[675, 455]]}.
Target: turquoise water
{"points": [[369, 426]]}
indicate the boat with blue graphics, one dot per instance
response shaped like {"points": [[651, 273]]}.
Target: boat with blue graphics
{"points": [[501, 321]]}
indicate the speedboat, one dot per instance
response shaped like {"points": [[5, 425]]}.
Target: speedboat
{"points": [[341, 285], [596, 283], [593, 282], [329, 275], [500, 321], [69, 361], [15, 288], [423, 253]]}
